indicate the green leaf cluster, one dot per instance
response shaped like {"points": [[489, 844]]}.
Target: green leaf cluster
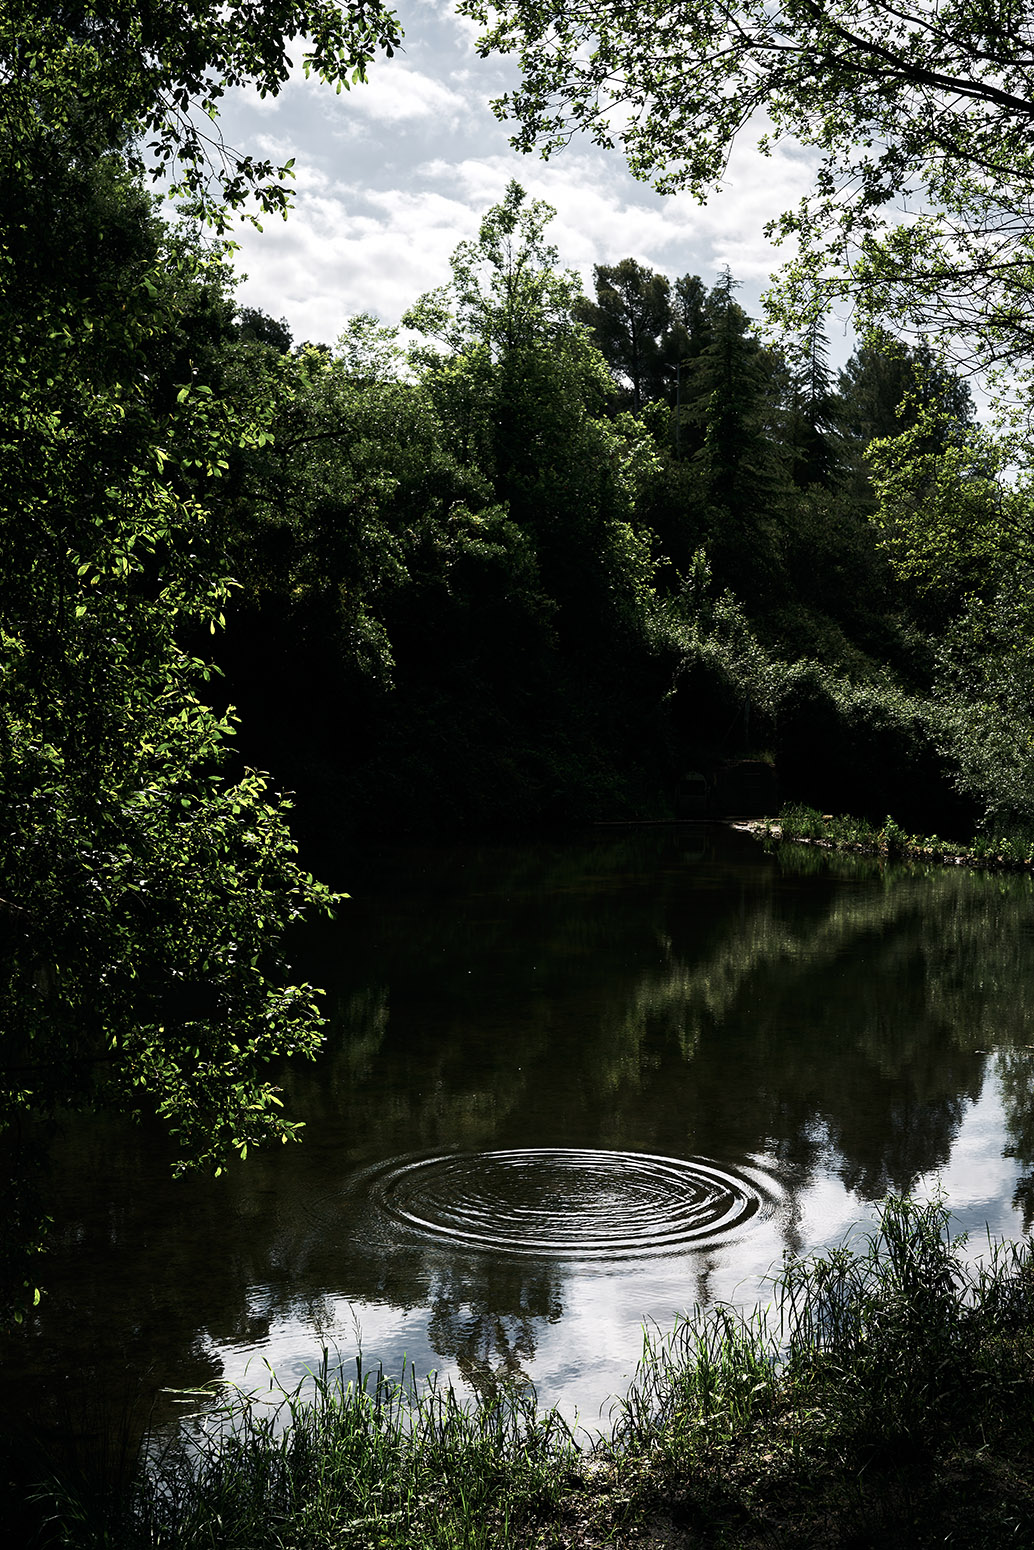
{"points": [[149, 80]]}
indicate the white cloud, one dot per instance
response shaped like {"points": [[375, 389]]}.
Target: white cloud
{"points": [[396, 93], [392, 175], [344, 251]]}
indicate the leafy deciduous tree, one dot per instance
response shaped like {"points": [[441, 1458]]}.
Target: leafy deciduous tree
{"points": [[525, 380], [122, 72], [920, 116], [144, 893]]}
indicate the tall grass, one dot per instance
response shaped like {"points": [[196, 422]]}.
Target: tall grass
{"points": [[341, 1462], [893, 1335], [879, 1378]]}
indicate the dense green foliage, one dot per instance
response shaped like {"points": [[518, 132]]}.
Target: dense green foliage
{"points": [[145, 887], [560, 555], [510, 598], [919, 214], [103, 75]]}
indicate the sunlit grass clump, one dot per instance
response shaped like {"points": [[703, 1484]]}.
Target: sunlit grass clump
{"points": [[883, 1399], [1009, 851], [353, 1461]]}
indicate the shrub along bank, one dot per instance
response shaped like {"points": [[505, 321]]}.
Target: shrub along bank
{"points": [[884, 1399], [1012, 851]]}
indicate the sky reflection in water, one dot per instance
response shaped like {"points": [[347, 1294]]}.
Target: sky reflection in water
{"points": [[582, 1352]]}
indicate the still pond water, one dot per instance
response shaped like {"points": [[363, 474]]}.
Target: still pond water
{"points": [[571, 1088]]}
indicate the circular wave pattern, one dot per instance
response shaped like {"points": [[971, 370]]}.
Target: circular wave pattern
{"points": [[570, 1203]]}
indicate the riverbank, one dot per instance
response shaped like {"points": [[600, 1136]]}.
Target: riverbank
{"points": [[807, 826], [884, 1401]]}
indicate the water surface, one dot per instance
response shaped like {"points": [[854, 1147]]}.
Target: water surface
{"points": [[570, 1088]]}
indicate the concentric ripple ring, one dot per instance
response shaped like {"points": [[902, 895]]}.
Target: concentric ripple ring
{"points": [[570, 1202]]}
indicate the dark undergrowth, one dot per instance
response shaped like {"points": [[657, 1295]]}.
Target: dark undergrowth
{"points": [[886, 1399]]}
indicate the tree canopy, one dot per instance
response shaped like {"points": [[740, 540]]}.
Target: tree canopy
{"points": [[534, 390], [149, 79], [921, 119]]}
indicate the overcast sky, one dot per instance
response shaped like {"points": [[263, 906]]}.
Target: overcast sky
{"points": [[393, 174]]}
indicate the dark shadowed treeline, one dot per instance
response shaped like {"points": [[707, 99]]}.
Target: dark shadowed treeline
{"points": [[561, 552]]}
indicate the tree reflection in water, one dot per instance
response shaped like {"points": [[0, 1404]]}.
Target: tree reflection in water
{"points": [[489, 1328]]}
